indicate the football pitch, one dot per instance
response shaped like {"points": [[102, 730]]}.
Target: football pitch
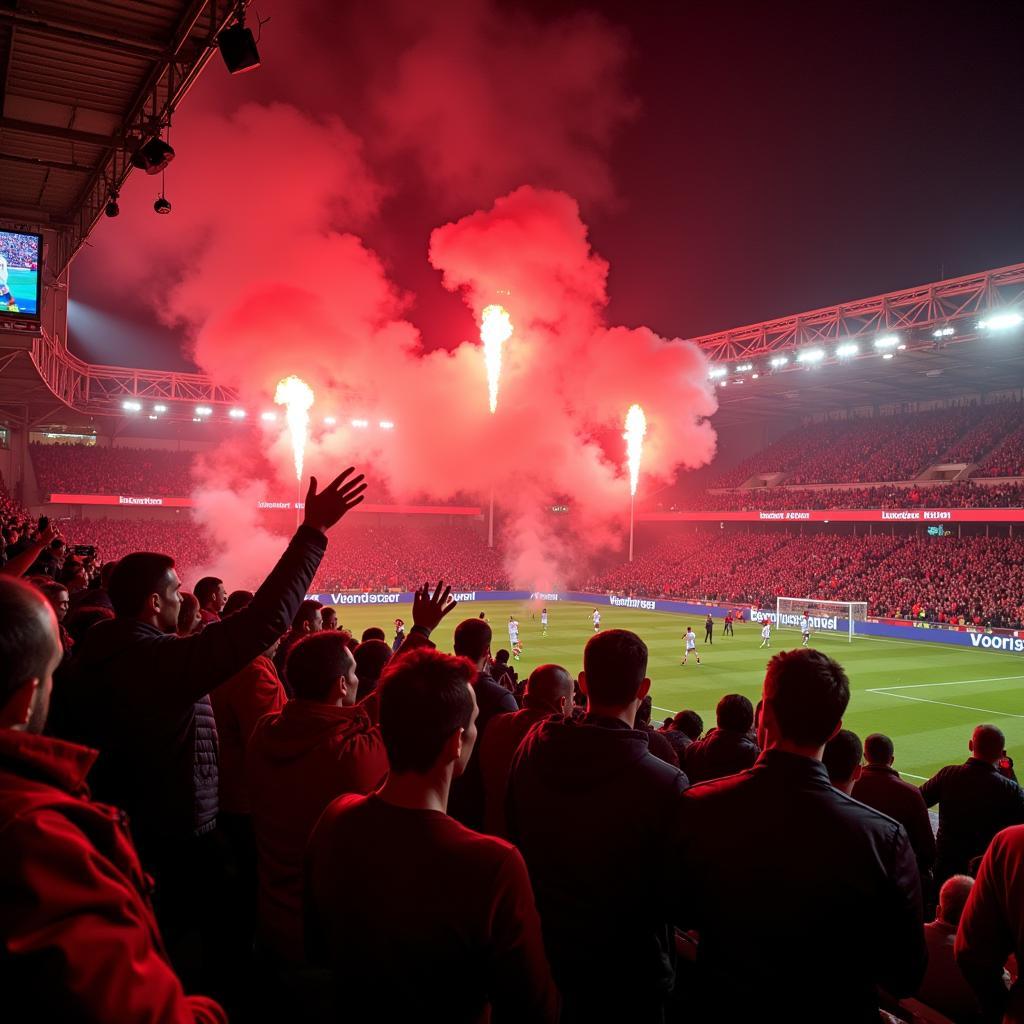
{"points": [[926, 696]]}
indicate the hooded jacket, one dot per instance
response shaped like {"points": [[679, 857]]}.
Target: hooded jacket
{"points": [[297, 761], [78, 939], [139, 696], [590, 808]]}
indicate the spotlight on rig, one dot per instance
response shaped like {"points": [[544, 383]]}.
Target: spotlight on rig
{"points": [[162, 205], [112, 209], [238, 47], [153, 156]]}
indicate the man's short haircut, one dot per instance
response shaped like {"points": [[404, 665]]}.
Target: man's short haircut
{"points": [[51, 589], [502, 656], [424, 698], [371, 657], [56, 544], [735, 713], [808, 692], [316, 663], [953, 898], [472, 639], [546, 686], [81, 619], [136, 577], [373, 633], [206, 588], [26, 639], [842, 755], [878, 748], [237, 600], [989, 742], [615, 663], [690, 723], [306, 613], [106, 572]]}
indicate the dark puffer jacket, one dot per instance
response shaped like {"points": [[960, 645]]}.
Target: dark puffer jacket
{"points": [[720, 753], [139, 696]]}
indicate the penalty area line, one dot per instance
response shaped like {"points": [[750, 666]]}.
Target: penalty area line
{"points": [[946, 704], [955, 682]]}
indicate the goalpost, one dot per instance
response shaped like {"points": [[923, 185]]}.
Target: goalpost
{"points": [[825, 616]]}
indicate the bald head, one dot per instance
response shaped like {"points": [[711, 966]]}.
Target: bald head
{"points": [[988, 743], [953, 898], [549, 688], [29, 653]]}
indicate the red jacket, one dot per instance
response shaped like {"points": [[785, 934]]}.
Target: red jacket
{"points": [[237, 706], [78, 939], [297, 761]]}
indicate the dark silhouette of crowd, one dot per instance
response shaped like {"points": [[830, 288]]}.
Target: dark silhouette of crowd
{"points": [[183, 837]]}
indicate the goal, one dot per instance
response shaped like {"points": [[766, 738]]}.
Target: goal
{"points": [[826, 616]]}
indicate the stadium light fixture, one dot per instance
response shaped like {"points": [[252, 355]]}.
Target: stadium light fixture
{"points": [[755, 376], [889, 355], [237, 414], [887, 341], [1001, 321], [723, 383], [197, 419], [778, 362], [811, 355], [203, 410], [717, 371], [130, 405], [112, 209], [238, 47], [386, 425], [944, 332], [153, 156], [744, 367], [360, 424], [268, 417], [330, 421], [849, 348], [159, 408], [153, 416]]}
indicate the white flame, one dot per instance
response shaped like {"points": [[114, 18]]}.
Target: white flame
{"points": [[297, 398], [495, 330], [636, 428]]}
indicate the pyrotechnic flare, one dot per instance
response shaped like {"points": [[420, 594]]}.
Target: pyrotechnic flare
{"points": [[297, 398], [495, 330], [636, 428]]}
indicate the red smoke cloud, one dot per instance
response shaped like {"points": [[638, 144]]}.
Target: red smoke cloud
{"points": [[259, 261]]}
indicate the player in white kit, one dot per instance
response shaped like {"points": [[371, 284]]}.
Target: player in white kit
{"points": [[5, 293], [690, 639], [597, 621], [766, 634], [513, 630], [805, 629], [544, 621]]}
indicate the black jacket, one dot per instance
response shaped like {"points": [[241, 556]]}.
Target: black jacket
{"points": [[975, 802], [721, 752], [467, 800], [804, 899], [589, 807], [139, 696]]}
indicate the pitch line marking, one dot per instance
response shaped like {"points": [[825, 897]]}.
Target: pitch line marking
{"points": [[955, 682], [966, 707]]}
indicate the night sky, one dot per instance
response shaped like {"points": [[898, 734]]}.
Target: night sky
{"points": [[774, 160]]}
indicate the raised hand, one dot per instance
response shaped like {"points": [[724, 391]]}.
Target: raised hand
{"points": [[428, 610], [342, 495]]}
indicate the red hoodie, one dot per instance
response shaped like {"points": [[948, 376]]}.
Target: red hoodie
{"points": [[297, 761], [78, 939]]}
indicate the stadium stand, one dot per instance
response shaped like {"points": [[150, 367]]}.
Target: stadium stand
{"points": [[89, 469]]}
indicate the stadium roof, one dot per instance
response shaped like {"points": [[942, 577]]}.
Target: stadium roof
{"points": [[80, 86]]}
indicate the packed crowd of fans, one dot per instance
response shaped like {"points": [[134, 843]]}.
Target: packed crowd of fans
{"points": [[962, 494], [353, 831], [882, 448], [19, 250], [969, 580], [94, 469]]}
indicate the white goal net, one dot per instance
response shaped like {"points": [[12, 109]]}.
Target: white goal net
{"points": [[840, 617]]}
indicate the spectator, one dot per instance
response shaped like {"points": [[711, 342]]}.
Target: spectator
{"points": [[77, 931], [728, 748], [944, 988], [329, 617], [190, 616], [454, 928], [308, 619], [371, 657], [548, 692], [57, 596], [373, 633], [992, 928], [588, 806], [473, 641], [141, 695], [83, 618], [805, 900], [502, 672], [318, 746], [97, 596], [212, 595], [842, 757], [237, 600], [975, 802], [657, 743], [881, 787], [683, 730]]}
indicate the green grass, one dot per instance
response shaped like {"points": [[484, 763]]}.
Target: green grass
{"points": [[930, 724]]}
